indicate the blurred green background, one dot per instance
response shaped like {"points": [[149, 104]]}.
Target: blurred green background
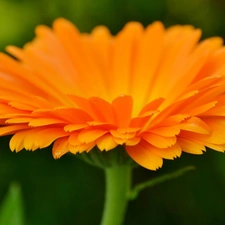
{"points": [[68, 191]]}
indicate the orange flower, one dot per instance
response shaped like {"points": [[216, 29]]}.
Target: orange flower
{"points": [[155, 91]]}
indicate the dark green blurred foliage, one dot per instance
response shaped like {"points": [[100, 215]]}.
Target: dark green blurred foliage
{"points": [[12, 211], [68, 191]]}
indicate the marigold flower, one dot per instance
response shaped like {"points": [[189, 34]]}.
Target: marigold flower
{"points": [[155, 91]]}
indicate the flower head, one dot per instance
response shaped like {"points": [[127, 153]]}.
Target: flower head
{"points": [[155, 91]]}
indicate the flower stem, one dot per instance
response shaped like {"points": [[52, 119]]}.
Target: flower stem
{"points": [[118, 181]]}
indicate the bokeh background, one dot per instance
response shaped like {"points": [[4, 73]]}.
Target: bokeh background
{"points": [[70, 192]]}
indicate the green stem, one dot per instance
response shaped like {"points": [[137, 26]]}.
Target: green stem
{"points": [[149, 183], [118, 181]]}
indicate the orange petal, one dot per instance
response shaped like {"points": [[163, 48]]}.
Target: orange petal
{"points": [[12, 129], [122, 109], [196, 125], [60, 147], [168, 131], [191, 146], [90, 135], [106, 142], [168, 153], [143, 155], [159, 141]]}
